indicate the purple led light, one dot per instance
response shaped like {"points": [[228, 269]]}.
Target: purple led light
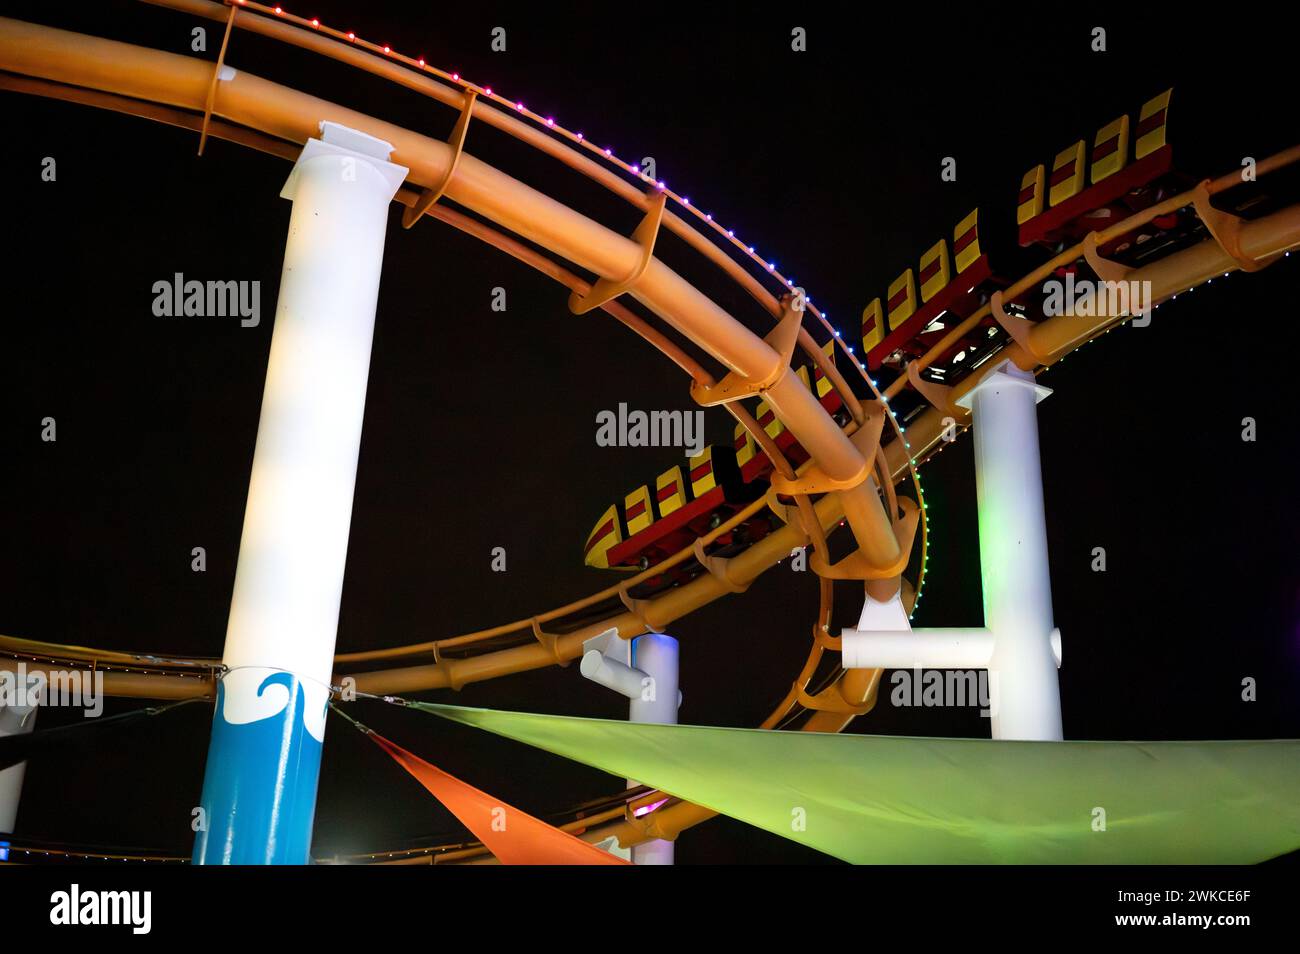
{"points": [[647, 809], [634, 170]]}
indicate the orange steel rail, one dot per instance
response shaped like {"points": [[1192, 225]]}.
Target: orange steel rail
{"points": [[822, 437], [1053, 345], [453, 677], [275, 119]]}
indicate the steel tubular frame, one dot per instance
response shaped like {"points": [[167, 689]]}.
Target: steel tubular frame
{"points": [[179, 91], [833, 375]]}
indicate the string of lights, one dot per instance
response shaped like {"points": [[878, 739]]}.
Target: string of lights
{"points": [[578, 139]]}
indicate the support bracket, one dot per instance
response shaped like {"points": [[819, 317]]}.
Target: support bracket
{"points": [[856, 566], [938, 395], [1106, 269], [816, 481], [733, 387], [1224, 228], [457, 142], [830, 700], [717, 567], [1020, 329], [216, 76], [606, 290], [454, 684], [638, 609], [787, 514], [548, 641]]}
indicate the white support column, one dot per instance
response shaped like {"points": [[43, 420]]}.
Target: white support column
{"points": [[17, 719], [655, 654], [259, 790], [289, 580], [1013, 554], [1018, 645], [644, 670]]}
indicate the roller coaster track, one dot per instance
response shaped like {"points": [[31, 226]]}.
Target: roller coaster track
{"points": [[853, 480]]}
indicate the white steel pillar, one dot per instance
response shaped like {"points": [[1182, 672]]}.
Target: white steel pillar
{"points": [[655, 654], [16, 719], [1013, 554], [259, 791], [644, 670], [1018, 644]]}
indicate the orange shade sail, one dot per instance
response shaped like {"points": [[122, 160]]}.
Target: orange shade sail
{"points": [[513, 836]]}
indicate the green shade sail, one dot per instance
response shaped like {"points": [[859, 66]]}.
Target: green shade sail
{"points": [[898, 800]]}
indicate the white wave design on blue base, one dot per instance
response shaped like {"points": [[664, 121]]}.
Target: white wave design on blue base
{"points": [[259, 790]]}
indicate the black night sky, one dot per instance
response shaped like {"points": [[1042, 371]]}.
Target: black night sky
{"points": [[479, 427]]}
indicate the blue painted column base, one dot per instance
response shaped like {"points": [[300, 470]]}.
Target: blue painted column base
{"points": [[259, 790]]}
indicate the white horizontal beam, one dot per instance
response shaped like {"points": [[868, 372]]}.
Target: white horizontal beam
{"points": [[613, 674], [918, 649], [952, 648]]}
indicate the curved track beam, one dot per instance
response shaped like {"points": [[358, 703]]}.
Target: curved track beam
{"points": [[274, 118], [180, 81]]}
